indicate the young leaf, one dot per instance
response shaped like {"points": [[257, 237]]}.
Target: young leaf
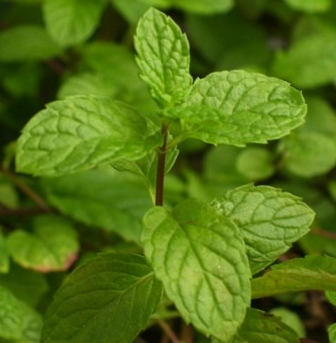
{"points": [[18, 321], [163, 57], [238, 107], [27, 43], [72, 21], [269, 221], [262, 327], [299, 274], [52, 247], [81, 132], [200, 258], [113, 202], [109, 299]]}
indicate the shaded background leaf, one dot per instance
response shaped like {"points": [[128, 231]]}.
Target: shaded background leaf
{"points": [[108, 299]]}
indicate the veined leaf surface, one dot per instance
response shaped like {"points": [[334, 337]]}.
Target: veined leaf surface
{"points": [[109, 299], [81, 132], [238, 107], [299, 274], [200, 258], [262, 327], [163, 57], [270, 221]]}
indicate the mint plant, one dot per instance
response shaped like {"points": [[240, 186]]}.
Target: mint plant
{"points": [[205, 257]]}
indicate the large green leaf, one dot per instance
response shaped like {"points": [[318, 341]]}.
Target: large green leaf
{"points": [[72, 21], [53, 245], [309, 62], [109, 299], [261, 327], [269, 221], [18, 321], [238, 107], [26, 42], [163, 57], [300, 274], [81, 132], [113, 202], [200, 257]]}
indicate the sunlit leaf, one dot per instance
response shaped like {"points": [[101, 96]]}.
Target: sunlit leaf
{"points": [[163, 57], [269, 221], [238, 107], [200, 258], [81, 132]]}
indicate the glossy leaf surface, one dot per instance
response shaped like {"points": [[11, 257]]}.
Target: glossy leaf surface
{"points": [[200, 258], [109, 299]]}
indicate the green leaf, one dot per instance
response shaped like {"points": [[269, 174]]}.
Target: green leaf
{"points": [[26, 285], [291, 319], [80, 133], [332, 333], [200, 258], [27, 43], [310, 5], [238, 107], [52, 247], [4, 256], [109, 299], [71, 22], [299, 274], [86, 84], [309, 62], [255, 163], [269, 221], [18, 321], [262, 327], [204, 7], [163, 57], [308, 154], [112, 202], [132, 10]]}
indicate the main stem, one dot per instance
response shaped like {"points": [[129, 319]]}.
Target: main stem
{"points": [[160, 172]]}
